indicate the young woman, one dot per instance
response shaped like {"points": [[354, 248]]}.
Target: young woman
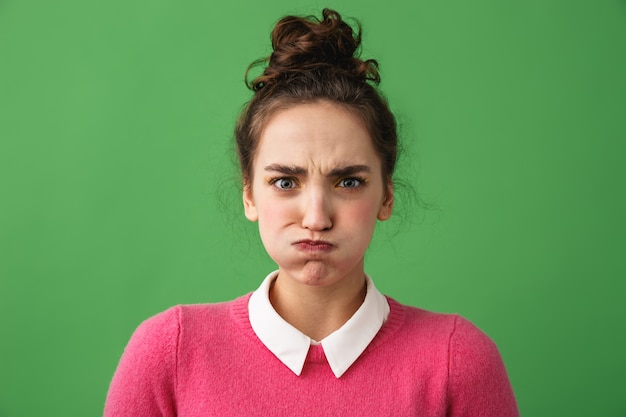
{"points": [[317, 145]]}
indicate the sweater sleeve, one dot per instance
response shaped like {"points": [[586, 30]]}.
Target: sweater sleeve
{"points": [[144, 383], [478, 382]]}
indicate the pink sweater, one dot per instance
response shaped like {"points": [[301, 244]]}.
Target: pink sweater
{"points": [[205, 360]]}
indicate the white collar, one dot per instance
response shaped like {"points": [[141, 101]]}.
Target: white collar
{"points": [[342, 347]]}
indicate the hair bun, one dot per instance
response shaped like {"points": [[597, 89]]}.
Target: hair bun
{"points": [[309, 45]]}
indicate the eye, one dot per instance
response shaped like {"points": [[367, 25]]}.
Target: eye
{"points": [[350, 182], [284, 183]]}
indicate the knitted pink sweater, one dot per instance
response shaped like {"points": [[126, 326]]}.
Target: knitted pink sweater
{"points": [[205, 360]]}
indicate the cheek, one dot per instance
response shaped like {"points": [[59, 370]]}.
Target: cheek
{"points": [[362, 215], [273, 216]]}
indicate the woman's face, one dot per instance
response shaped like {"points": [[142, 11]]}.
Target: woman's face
{"points": [[316, 191]]}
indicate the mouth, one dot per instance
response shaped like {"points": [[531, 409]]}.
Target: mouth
{"points": [[307, 245]]}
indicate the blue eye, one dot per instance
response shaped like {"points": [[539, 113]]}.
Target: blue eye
{"points": [[284, 183], [350, 182]]}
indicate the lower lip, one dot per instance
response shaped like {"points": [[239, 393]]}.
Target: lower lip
{"points": [[309, 247]]}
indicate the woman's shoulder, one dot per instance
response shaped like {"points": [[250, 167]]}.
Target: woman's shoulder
{"points": [[478, 382], [193, 315], [452, 330], [162, 333]]}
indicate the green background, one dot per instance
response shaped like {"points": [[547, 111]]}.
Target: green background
{"points": [[119, 196]]}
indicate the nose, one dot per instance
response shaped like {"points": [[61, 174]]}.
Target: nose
{"points": [[317, 211]]}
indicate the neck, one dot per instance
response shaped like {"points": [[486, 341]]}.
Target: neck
{"points": [[317, 311]]}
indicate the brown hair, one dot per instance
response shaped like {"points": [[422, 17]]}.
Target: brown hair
{"points": [[316, 60]]}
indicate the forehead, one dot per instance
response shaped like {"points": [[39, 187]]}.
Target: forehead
{"points": [[323, 134]]}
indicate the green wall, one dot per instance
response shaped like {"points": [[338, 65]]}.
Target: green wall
{"points": [[119, 195]]}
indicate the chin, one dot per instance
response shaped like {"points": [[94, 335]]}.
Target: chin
{"points": [[313, 273]]}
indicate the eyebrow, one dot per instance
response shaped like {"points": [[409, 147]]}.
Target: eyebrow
{"points": [[285, 169], [336, 172], [349, 170]]}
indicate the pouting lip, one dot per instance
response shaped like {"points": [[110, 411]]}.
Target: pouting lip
{"points": [[312, 242]]}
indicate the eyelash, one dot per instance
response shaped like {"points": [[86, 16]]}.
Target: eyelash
{"points": [[275, 181], [360, 182]]}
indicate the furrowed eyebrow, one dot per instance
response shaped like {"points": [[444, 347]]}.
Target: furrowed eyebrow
{"points": [[336, 172], [349, 170], [285, 169]]}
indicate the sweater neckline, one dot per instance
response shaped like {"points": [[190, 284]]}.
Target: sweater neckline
{"points": [[397, 316], [341, 348]]}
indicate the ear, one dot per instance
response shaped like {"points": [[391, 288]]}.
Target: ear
{"points": [[248, 203], [386, 208]]}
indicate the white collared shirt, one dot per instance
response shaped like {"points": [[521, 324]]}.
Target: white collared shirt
{"points": [[342, 347]]}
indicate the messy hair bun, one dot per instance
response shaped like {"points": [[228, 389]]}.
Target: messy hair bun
{"points": [[309, 44], [316, 60]]}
